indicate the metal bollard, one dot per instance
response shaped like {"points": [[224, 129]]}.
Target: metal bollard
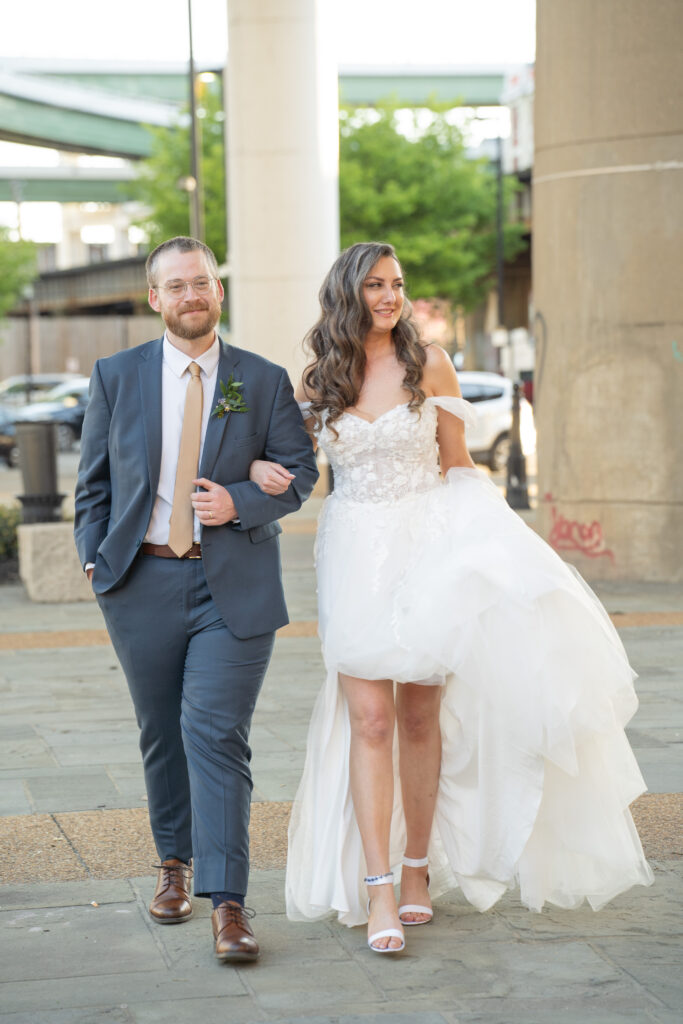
{"points": [[516, 489], [37, 445]]}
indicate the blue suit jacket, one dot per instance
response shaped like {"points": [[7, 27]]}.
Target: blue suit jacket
{"points": [[119, 473]]}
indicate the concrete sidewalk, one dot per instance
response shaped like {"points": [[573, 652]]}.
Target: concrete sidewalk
{"points": [[77, 945]]}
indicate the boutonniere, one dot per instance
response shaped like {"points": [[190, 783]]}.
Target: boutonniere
{"points": [[232, 400]]}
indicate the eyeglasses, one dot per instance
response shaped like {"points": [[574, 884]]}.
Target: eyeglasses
{"points": [[199, 285]]}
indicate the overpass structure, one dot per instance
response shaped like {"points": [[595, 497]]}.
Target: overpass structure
{"points": [[95, 108]]}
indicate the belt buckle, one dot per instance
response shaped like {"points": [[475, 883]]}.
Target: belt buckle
{"points": [[194, 557]]}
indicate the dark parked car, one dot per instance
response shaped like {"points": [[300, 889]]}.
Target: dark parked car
{"points": [[8, 441], [65, 405]]}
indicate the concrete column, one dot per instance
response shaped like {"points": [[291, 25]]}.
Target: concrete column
{"points": [[608, 238], [282, 163]]}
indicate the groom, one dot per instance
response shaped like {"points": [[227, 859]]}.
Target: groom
{"points": [[182, 551]]}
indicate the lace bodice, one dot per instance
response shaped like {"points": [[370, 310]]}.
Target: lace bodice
{"points": [[390, 457]]}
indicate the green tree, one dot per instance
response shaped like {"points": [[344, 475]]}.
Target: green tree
{"points": [[405, 178], [18, 267], [157, 184]]}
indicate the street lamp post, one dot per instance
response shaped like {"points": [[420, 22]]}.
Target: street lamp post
{"points": [[499, 232], [516, 491], [196, 194]]}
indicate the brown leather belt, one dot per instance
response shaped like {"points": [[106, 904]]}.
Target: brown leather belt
{"points": [[164, 551]]}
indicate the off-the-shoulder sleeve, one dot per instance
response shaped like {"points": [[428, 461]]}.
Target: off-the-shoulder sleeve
{"points": [[456, 406]]}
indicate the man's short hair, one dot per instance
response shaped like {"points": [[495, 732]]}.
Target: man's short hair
{"points": [[181, 243]]}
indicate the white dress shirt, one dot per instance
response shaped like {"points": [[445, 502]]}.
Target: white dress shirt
{"points": [[175, 377]]}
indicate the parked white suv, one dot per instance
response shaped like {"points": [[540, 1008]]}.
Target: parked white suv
{"points": [[491, 398]]}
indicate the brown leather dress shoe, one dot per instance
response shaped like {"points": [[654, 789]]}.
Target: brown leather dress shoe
{"points": [[231, 929], [171, 903]]}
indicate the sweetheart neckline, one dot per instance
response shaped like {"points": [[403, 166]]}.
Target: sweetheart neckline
{"points": [[401, 405]]}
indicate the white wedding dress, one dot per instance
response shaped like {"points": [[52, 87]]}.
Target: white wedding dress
{"points": [[438, 581]]}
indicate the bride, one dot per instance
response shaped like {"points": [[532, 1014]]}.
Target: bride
{"points": [[470, 730]]}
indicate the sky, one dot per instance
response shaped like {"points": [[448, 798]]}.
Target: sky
{"points": [[369, 32], [366, 31]]}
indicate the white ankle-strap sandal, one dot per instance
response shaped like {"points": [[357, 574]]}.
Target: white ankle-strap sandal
{"points": [[414, 908], [389, 933]]}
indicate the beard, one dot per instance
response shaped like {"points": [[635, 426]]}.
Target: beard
{"points": [[190, 328]]}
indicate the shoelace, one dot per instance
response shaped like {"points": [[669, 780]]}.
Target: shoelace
{"points": [[174, 874], [235, 913]]}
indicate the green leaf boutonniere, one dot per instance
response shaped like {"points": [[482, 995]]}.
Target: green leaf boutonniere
{"points": [[232, 400]]}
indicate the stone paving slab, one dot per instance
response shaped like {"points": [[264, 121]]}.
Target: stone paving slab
{"points": [[466, 966], [427, 1017], [65, 894], [110, 990], [503, 967], [71, 942], [88, 696], [83, 791], [14, 798], [654, 963], [576, 1011]]}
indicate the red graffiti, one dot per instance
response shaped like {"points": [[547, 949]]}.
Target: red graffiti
{"points": [[571, 535]]}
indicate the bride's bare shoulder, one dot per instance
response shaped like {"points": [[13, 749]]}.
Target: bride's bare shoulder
{"points": [[439, 376]]}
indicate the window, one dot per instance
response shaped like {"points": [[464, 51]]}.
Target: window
{"points": [[97, 253]]}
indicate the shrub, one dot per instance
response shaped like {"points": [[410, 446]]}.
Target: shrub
{"points": [[10, 517]]}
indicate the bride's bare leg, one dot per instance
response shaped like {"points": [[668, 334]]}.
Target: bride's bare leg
{"points": [[372, 716], [419, 737]]}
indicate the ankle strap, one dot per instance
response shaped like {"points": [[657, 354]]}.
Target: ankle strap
{"points": [[379, 879], [411, 862]]}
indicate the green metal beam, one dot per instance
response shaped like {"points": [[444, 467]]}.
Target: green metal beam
{"points": [[471, 89], [60, 190], [37, 124], [41, 124], [413, 90], [474, 90], [169, 87]]}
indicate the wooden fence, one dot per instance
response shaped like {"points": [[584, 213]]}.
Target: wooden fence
{"points": [[72, 343]]}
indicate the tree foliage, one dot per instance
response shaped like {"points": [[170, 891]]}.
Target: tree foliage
{"points": [[159, 178], [18, 267], [412, 184], [405, 178]]}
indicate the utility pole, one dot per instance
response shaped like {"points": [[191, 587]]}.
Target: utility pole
{"points": [[499, 233], [516, 491], [196, 192]]}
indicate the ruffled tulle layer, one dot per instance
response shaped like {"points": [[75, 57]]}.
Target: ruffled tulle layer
{"points": [[450, 586]]}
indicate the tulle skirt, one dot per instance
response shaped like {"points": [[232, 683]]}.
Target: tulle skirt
{"points": [[450, 587]]}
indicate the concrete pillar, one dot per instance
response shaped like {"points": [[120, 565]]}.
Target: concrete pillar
{"points": [[608, 238], [282, 162]]}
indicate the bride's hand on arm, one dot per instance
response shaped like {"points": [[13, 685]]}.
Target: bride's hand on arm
{"points": [[271, 477], [440, 378]]}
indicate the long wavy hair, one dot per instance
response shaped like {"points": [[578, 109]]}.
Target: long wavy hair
{"points": [[334, 375]]}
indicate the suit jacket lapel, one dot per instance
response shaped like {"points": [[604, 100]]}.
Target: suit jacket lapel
{"points": [[217, 427], [149, 376]]}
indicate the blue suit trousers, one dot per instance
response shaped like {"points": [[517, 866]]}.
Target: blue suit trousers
{"points": [[194, 687]]}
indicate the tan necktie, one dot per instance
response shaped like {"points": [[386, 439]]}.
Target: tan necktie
{"points": [[181, 525]]}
